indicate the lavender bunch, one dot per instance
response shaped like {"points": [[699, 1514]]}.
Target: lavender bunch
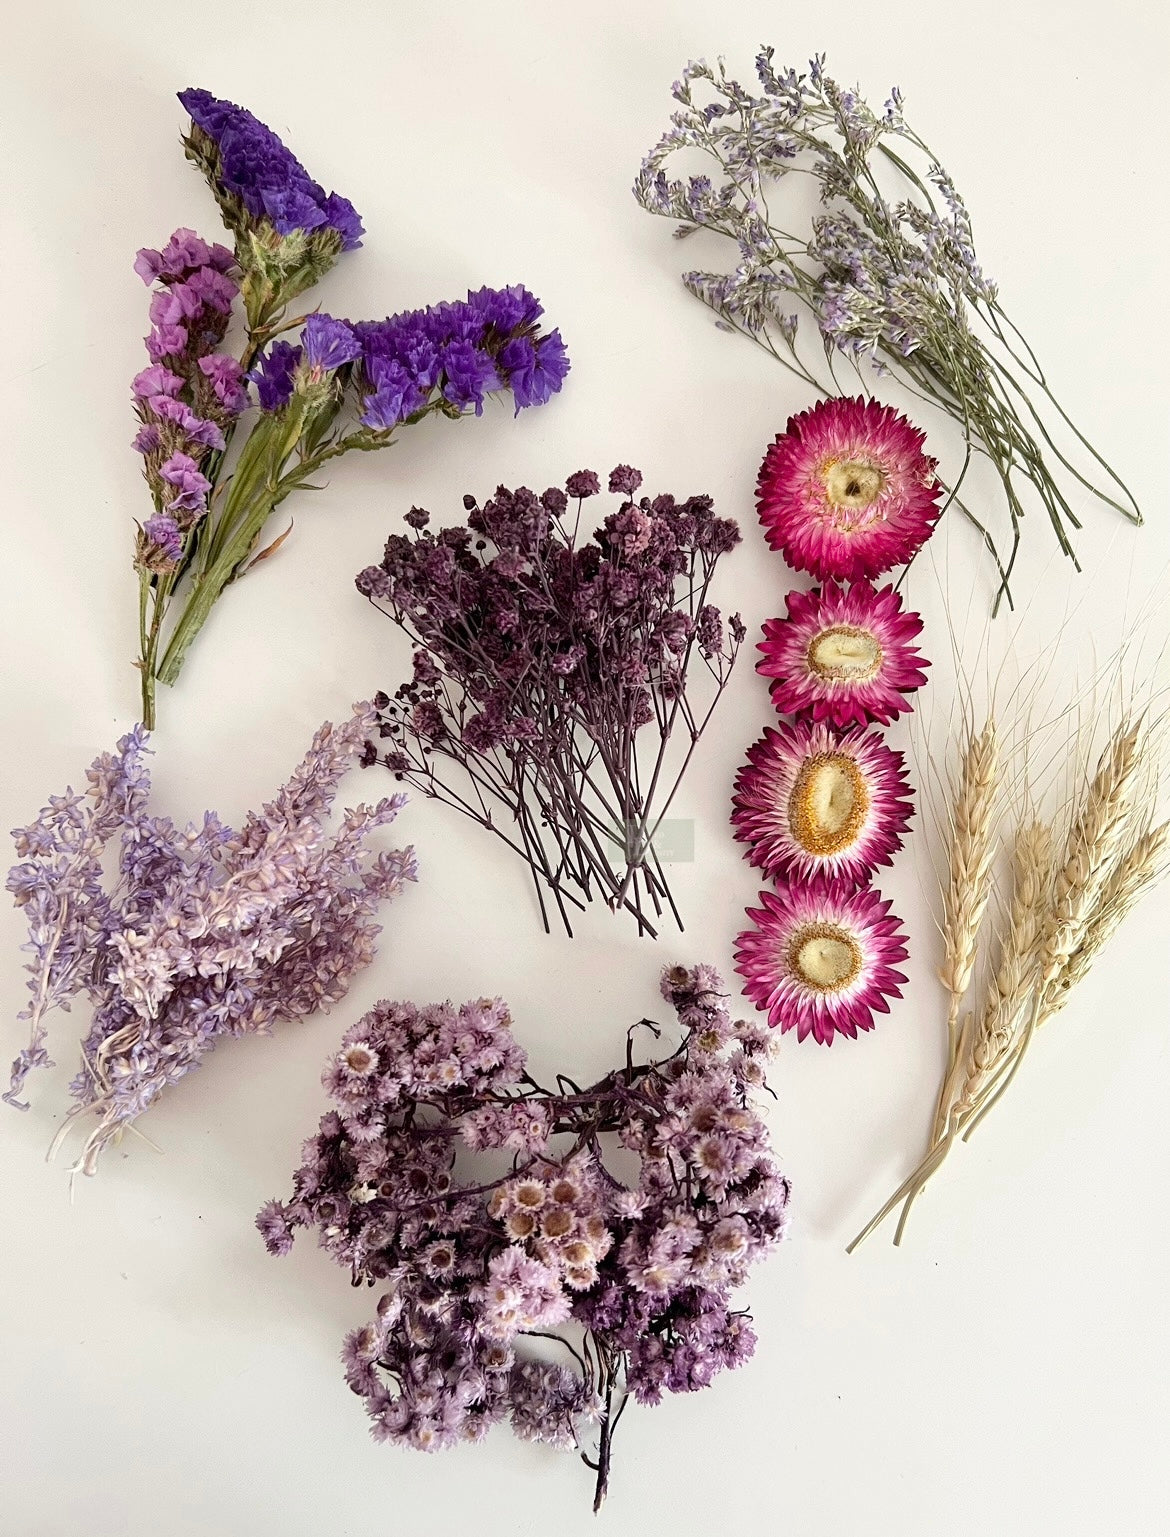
{"points": [[198, 932], [892, 284], [629, 1276], [339, 387], [541, 659]]}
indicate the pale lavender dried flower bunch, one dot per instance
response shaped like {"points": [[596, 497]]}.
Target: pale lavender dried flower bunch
{"points": [[198, 932], [886, 270], [627, 1276]]}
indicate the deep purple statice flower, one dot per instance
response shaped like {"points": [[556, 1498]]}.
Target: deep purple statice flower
{"points": [[567, 657], [273, 374], [251, 166], [195, 932], [459, 353], [329, 343], [472, 1264]]}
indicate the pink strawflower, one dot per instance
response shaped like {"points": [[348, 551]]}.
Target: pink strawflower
{"points": [[846, 490], [812, 801], [820, 958], [843, 655]]}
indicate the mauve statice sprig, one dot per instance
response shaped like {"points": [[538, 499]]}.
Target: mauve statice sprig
{"points": [[339, 387], [541, 658], [892, 284], [198, 932], [553, 1235]]}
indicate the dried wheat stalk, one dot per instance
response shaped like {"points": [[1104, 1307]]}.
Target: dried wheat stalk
{"points": [[996, 1026], [1063, 910]]}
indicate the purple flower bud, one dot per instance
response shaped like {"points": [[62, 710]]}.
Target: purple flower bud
{"points": [[164, 534], [535, 370], [227, 381], [184, 252], [470, 374], [625, 479], [181, 471], [397, 397], [156, 380], [166, 342], [273, 375], [196, 429], [329, 343], [583, 483], [212, 289]]}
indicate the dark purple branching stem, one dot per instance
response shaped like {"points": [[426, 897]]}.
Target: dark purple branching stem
{"points": [[553, 694]]}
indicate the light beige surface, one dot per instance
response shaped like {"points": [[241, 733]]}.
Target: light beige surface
{"points": [[159, 1375]]}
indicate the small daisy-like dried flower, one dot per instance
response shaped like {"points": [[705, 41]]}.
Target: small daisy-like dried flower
{"points": [[529, 1194], [358, 1060], [638, 1262], [820, 959], [810, 800], [844, 655], [846, 491]]}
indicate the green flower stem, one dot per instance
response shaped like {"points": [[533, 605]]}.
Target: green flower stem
{"points": [[254, 491]]}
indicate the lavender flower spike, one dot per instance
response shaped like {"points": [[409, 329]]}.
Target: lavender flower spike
{"points": [[201, 932]]}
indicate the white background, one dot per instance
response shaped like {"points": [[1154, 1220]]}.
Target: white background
{"points": [[1005, 1371]]}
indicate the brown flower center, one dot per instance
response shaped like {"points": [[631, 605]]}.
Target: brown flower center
{"points": [[829, 803], [846, 652], [824, 956], [853, 486]]}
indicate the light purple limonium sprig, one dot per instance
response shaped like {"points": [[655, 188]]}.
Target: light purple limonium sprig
{"points": [[542, 655], [887, 271], [200, 932], [564, 1238], [340, 387]]}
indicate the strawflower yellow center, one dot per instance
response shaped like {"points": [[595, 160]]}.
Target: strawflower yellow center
{"points": [[825, 958], [829, 803], [853, 486], [845, 652]]}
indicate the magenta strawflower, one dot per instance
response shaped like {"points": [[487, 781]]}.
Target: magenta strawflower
{"points": [[843, 655], [811, 800], [846, 490], [820, 958]]}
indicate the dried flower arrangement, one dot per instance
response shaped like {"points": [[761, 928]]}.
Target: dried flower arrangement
{"points": [[341, 387], [1064, 880], [629, 1277], [890, 277], [545, 661], [845, 492], [202, 932]]}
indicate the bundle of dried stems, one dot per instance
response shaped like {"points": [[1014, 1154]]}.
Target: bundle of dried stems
{"points": [[1071, 880]]}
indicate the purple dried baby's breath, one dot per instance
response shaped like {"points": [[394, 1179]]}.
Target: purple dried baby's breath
{"points": [[202, 932], [552, 671], [474, 1266]]}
